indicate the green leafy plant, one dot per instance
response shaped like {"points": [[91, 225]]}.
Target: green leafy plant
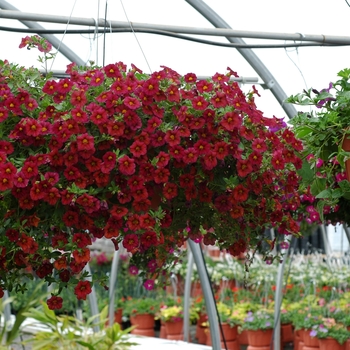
{"points": [[328, 328], [68, 333], [226, 314], [145, 305], [171, 313], [323, 129], [261, 319]]}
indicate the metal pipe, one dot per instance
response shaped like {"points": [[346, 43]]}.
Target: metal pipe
{"points": [[63, 49], [187, 294], [278, 301], [224, 31], [93, 302], [346, 229], [208, 295], [207, 12], [112, 285]]}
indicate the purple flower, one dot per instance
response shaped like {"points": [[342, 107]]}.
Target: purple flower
{"points": [[313, 333], [268, 324], [322, 102], [284, 245]]}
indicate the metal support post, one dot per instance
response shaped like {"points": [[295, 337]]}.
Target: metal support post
{"points": [[208, 295], [187, 294], [93, 302], [112, 285], [278, 301]]}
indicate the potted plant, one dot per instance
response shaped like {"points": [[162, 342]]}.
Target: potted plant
{"points": [[324, 131], [147, 161], [259, 325], [228, 328], [330, 335], [172, 317], [141, 312]]}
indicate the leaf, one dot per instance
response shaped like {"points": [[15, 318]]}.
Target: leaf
{"points": [[306, 173], [302, 131], [318, 186], [337, 193], [345, 73], [325, 194], [87, 345]]}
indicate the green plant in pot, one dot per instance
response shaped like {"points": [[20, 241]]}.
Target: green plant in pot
{"points": [[171, 313], [328, 328], [139, 306], [259, 320], [325, 133], [227, 315]]}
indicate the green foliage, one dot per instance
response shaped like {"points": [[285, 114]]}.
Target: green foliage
{"points": [[68, 333], [261, 319], [146, 305], [323, 129]]}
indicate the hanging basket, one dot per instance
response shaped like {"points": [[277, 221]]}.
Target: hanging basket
{"points": [[346, 147]]}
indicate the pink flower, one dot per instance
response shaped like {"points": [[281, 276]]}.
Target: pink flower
{"points": [[319, 163], [149, 284], [133, 270]]}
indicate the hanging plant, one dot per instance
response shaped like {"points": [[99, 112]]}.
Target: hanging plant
{"points": [[147, 161], [324, 130]]}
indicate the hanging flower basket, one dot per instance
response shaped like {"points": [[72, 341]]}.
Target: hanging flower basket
{"points": [[143, 160]]}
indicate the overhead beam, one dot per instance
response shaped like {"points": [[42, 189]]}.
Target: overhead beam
{"points": [[219, 31], [207, 12]]}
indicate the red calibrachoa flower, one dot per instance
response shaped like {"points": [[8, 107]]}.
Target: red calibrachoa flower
{"points": [[138, 159], [82, 290], [55, 302]]}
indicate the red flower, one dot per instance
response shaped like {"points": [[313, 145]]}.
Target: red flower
{"points": [[259, 145], [151, 87], [219, 100], [54, 303], [130, 242], [170, 190], [82, 289], [172, 137], [277, 160], [240, 194], [50, 87], [161, 175], [221, 150], [199, 103], [244, 168], [237, 211], [138, 148], [204, 86], [163, 159], [134, 222], [190, 155], [85, 142], [190, 78], [82, 255], [131, 102], [149, 239], [126, 165], [209, 161]]}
